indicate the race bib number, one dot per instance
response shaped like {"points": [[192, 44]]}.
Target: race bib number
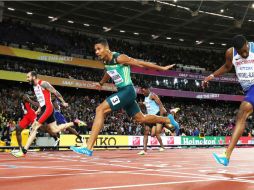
{"points": [[115, 76], [115, 100]]}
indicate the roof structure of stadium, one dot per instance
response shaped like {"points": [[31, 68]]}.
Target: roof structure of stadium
{"points": [[186, 23]]}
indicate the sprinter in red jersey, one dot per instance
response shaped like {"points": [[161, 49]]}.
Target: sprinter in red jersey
{"points": [[29, 115], [43, 90]]}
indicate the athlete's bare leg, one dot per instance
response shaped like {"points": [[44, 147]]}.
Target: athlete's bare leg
{"points": [[146, 133], [245, 110], [58, 128], [49, 131], [158, 130], [53, 128], [150, 119], [18, 136], [98, 123], [35, 126], [101, 112]]}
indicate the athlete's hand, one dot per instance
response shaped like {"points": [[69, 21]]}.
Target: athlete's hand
{"points": [[168, 67], [65, 104], [205, 82], [98, 86]]}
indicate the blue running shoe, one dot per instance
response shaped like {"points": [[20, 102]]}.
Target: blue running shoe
{"points": [[82, 150], [74, 149], [221, 159]]}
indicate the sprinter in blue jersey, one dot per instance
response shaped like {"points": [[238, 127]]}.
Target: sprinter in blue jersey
{"points": [[154, 106], [60, 119]]}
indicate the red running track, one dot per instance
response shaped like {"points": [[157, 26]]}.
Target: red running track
{"points": [[180, 169]]}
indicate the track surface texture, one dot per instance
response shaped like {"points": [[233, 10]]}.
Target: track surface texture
{"points": [[181, 169]]}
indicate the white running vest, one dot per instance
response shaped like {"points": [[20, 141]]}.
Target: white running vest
{"points": [[39, 95], [245, 67]]}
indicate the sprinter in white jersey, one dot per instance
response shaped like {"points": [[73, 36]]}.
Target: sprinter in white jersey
{"points": [[241, 55]]}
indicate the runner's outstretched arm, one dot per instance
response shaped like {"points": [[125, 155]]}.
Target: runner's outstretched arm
{"points": [[125, 60]]}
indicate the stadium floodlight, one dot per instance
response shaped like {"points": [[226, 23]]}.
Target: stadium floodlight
{"points": [[11, 9], [199, 42], [52, 18], [154, 36], [106, 29]]}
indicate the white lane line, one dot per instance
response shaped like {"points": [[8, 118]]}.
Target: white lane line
{"points": [[55, 175], [147, 184], [55, 168], [192, 175], [146, 169], [135, 172]]}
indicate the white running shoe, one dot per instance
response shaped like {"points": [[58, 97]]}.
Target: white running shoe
{"points": [[15, 150], [162, 150], [142, 152], [175, 110], [56, 142]]}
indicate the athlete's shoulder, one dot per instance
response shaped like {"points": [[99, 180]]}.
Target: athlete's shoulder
{"points": [[44, 83], [230, 53], [116, 54], [40, 81], [152, 95]]}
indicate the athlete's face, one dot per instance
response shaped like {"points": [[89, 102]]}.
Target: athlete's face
{"points": [[101, 50], [30, 79], [244, 51], [145, 91]]}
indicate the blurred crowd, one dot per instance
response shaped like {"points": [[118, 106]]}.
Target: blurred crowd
{"points": [[73, 43], [196, 116], [89, 74]]}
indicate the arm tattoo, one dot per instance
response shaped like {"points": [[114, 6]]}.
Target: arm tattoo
{"points": [[50, 88]]}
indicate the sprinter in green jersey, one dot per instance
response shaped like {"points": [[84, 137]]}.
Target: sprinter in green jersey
{"points": [[118, 69]]}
